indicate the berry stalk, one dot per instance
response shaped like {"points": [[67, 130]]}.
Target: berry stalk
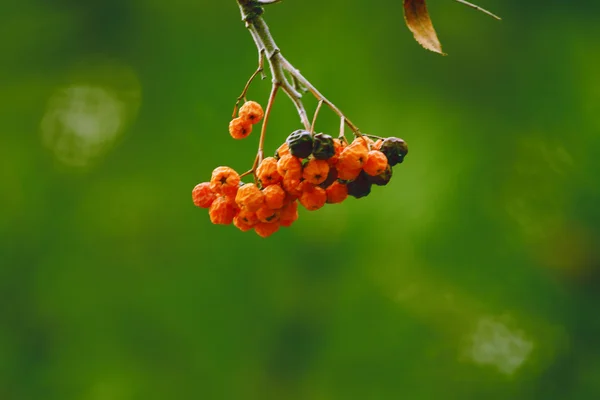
{"points": [[251, 11]]}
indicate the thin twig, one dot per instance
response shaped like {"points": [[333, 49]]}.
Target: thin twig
{"points": [[250, 171], [342, 129], [261, 142], [483, 10], [305, 82], [298, 86], [298, 103], [314, 121], [373, 136], [259, 70]]}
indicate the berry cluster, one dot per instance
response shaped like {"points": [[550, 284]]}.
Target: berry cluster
{"points": [[310, 169], [250, 113]]}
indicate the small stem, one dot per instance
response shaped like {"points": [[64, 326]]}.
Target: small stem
{"points": [[259, 70], [298, 104], [374, 136], [305, 82], [483, 10], [314, 121], [342, 128], [297, 85], [250, 171], [261, 142]]}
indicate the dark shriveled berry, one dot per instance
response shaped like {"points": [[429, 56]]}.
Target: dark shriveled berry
{"points": [[300, 143], [383, 178], [395, 150], [323, 147], [360, 187]]}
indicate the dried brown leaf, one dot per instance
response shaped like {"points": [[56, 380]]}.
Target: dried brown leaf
{"points": [[418, 21]]}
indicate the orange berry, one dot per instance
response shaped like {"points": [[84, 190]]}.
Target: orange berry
{"points": [[363, 140], [239, 128], [267, 172], [292, 186], [245, 220], [265, 214], [336, 193], [338, 146], [289, 167], [312, 197], [222, 211], [283, 150], [274, 196], [351, 159], [202, 195], [251, 112], [376, 163], [289, 214], [249, 197], [225, 180], [265, 229], [377, 144], [315, 171], [348, 174]]}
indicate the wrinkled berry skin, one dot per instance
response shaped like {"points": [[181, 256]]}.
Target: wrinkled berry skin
{"points": [[300, 143], [360, 187], [395, 150], [383, 178], [323, 147]]}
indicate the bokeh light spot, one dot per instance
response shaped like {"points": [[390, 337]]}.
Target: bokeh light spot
{"points": [[84, 120], [494, 343]]}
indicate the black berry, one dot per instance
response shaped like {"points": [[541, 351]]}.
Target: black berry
{"points": [[323, 147], [395, 150], [360, 187], [300, 143]]}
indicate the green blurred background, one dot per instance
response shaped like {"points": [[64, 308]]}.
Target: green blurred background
{"points": [[474, 274]]}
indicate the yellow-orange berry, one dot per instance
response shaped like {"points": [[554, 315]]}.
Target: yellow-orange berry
{"points": [[249, 197], [289, 214], [283, 150], [251, 112], [245, 220], [315, 171], [353, 156], [336, 193], [266, 229], [225, 180], [222, 211], [265, 214], [202, 195], [289, 167], [239, 128], [292, 186], [376, 163], [267, 172], [274, 196], [312, 197]]}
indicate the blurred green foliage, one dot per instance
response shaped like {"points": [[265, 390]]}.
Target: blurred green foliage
{"points": [[474, 274]]}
